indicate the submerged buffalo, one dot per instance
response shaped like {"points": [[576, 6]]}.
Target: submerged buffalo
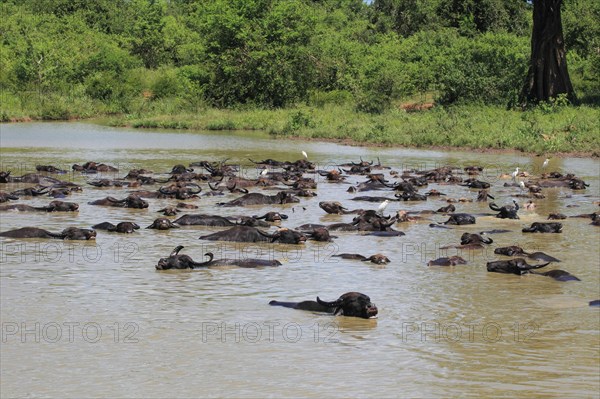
{"points": [[460, 219], [204, 220], [132, 201], [353, 304], [70, 233], [558, 275], [281, 197], [162, 224], [514, 250], [507, 211], [54, 206], [378, 259], [252, 234], [544, 227], [472, 238], [5, 197], [514, 266], [176, 261], [334, 207], [447, 261], [122, 227]]}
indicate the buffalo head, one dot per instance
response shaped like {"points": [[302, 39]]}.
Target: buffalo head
{"points": [[352, 304]]}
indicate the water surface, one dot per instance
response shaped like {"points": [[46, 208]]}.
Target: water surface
{"points": [[95, 319]]}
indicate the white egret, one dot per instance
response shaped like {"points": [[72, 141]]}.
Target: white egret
{"points": [[522, 185], [382, 207], [305, 154], [264, 171], [515, 174], [545, 163]]}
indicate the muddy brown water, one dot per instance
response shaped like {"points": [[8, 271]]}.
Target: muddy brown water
{"points": [[95, 319]]}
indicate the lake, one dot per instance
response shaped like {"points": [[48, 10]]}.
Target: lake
{"points": [[96, 319]]}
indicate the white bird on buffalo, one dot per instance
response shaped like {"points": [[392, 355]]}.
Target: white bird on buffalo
{"points": [[382, 207]]}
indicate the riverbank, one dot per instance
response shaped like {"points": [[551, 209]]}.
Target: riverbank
{"points": [[546, 130], [557, 130]]}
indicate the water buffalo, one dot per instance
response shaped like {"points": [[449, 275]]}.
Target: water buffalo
{"points": [[319, 234], [541, 227], [378, 259], [169, 211], [447, 209], [31, 191], [204, 220], [460, 219], [474, 183], [352, 304], [557, 216], [472, 238], [334, 207], [507, 211], [470, 241], [54, 206], [70, 233], [410, 196], [514, 250], [450, 261], [514, 266], [122, 227], [242, 262], [272, 217], [433, 193], [132, 201], [49, 169], [495, 231], [93, 167], [252, 234], [261, 199], [180, 190], [5, 197], [483, 195], [558, 275], [33, 178], [176, 261], [332, 175], [162, 224], [369, 198], [109, 183], [384, 233]]}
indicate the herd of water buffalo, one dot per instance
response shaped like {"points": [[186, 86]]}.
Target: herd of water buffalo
{"points": [[290, 182]]}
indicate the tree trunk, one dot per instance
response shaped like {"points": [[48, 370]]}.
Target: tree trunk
{"points": [[547, 76]]}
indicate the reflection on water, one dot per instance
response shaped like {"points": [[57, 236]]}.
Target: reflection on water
{"points": [[96, 319]]}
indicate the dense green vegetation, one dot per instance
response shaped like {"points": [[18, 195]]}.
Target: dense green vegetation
{"points": [[285, 64]]}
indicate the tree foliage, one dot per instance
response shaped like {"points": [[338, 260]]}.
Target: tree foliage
{"points": [[277, 53]]}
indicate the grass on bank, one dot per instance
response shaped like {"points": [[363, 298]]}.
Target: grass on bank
{"points": [[543, 130], [549, 128]]}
